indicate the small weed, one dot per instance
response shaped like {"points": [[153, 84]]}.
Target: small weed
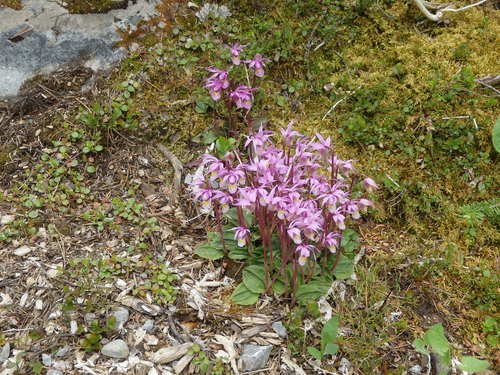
{"points": [[204, 364]]}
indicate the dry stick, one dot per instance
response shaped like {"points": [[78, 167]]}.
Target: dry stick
{"points": [[176, 163], [333, 107], [488, 86]]}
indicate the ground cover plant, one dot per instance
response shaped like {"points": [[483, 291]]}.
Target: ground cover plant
{"points": [[89, 211]]}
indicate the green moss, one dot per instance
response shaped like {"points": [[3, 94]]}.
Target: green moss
{"points": [[14, 4], [93, 6]]}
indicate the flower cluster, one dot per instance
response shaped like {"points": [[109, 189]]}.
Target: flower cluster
{"points": [[218, 83], [295, 187]]}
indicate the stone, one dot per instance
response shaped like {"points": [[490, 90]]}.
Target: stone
{"points": [[54, 372], [50, 38], [182, 363], [23, 250], [7, 219], [62, 351], [255, 357], [148, 325], [4, 353], [46, 359], [171, 353], [121, 315], [415, 370], [280, 329], [116, 349]]}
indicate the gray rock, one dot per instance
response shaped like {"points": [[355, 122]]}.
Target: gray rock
{"points": [[7, 219], [46, 359], [51, 38], [121, 315], [115, 349], [54, 372], [23, 250], [62, 351], [280, 329], [4, 353], [148, 325], [255, 357], [171, 353], [415, 370]]}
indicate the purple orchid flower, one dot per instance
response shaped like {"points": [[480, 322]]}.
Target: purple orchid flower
{"points": [[242, 96], [370, 185], [288, 134], [236, 49], [304, 253], [217, 82], [242, 235], [332, 241], [258, 63]]}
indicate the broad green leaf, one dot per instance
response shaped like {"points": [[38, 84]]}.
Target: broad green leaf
{"points": [[311, 291], [238, 253], [495, 135], [279, 287], [419, 346], [253, 278], [208, 251], [331, 349], [314, 352], [329, 332], [435, 338], [349, 240], [471, 364], [344, 268], [243, 296]]}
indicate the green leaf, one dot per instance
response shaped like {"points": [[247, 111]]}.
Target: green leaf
{"points": [[331, 349], [281, 100], [37, 367], [344, 268], [91, 169], [238, 253], [208, 251], [279, 287], [419, 346], [471, 364], [435, 338], [495, 135], [350, 240], [329, 332], [253, 278], [312, 291], [243, 296], [33, 214], [314, 352]]}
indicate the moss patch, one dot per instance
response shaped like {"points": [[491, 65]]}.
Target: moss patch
{"points": [[93, 6], [14, 4]]}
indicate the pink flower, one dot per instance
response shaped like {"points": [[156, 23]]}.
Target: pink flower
{"points": [[235, 52], [232, 178], [288, 134], [242, 235], [242, 96], [332, 241], [294, 234], [205, 195], [259, 139], [339, 219], [364, 204], [258, 63], [304, 253], [217, 82], [370, 185]]}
